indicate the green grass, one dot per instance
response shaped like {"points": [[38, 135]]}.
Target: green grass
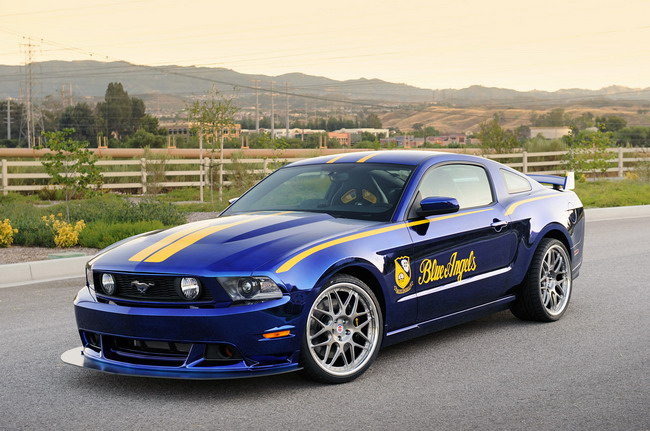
{"points": [[598, 194]]}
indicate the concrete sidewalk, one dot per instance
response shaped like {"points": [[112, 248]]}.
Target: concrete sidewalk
{"points": [[16, 274]]}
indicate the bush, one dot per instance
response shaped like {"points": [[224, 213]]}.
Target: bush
{"points": [[101, 234], [109, 209], [26, 218], [65, 234], [6, 233]]}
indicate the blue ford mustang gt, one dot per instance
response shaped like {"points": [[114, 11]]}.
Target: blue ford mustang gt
{"points": [[327, 260]]}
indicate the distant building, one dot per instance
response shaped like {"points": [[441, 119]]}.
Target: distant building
{"points": [[409, 141], [185, 128], [343, 138], [550, 132]]}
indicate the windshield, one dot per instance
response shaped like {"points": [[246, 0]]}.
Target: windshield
{"points": [[353, 190]]}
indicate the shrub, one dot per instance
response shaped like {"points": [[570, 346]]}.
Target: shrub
{"points": [[6, 233], [31, 230], [101, 234], [65, 234]]}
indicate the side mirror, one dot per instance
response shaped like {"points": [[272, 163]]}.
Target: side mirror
{"points": [[233, 200], [437, 205]]}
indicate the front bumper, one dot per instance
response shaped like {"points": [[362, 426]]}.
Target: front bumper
{"points": [[187, 342]]}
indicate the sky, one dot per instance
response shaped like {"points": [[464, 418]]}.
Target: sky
{"points": [[523, 45]]}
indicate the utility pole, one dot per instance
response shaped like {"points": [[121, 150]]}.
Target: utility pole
{"points": [[272, 112], [257, 105], [286, 93], [8, 118], [29, 56]]}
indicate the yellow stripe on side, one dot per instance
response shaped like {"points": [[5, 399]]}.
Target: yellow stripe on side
{"points": [[192, 238], [141, 255], [336, 158], [514, 206], [363, 159], [297, 258]]}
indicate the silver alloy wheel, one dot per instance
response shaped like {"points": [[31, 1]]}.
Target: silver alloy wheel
{"points": [[342, 330], [555, 280]]}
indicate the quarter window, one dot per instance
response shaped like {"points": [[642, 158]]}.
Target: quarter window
{"points": [[515, 183], [468, 184]]}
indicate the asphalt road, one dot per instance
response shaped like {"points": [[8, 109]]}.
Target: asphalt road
{"points": [[588, 371]]}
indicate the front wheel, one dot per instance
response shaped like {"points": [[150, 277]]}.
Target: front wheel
{"points": [[343, 331], [545, 293]]}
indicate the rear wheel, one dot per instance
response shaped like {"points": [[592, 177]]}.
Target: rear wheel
{"points": [[546, 291], [343, 331]]}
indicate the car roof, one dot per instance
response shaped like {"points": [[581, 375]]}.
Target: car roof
{"points": [[400, 157]]}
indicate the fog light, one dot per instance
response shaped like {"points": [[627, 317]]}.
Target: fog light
{"points": [[190, 288], [108, 284]]}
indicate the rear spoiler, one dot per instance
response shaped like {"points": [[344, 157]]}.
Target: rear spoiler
{"points": [[564, 183]]}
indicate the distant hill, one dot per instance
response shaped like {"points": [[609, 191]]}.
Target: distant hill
{"points": [[90, 78]]}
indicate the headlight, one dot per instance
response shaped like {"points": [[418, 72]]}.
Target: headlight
{"points": [[250, 288], [108, 284], [90, 281], [190, 288]]}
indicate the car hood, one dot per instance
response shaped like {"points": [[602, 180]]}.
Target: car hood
{"points": [[234, 244]]}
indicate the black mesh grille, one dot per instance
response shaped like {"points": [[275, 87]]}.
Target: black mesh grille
{"points": [[145, 352], [159, 288]]}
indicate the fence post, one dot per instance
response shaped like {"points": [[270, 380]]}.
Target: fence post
{"points": [[265, 167], [5, 178], [524, 162], [621, 174], [143, 175]]}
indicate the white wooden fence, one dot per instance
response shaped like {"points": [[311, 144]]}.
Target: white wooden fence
{"points": [[132, 175]]}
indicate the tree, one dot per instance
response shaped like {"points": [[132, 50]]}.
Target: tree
{"points": [[209, 117], [635, 136], [495, 137], [588, 152], [116, 111], [582, 122], [70, 164], [137, 114], [610, 123], [81, 119], [553, 118], [372, 121]]}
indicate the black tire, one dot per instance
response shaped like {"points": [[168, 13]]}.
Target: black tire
{"points": [[345, 328], [545, 293]]}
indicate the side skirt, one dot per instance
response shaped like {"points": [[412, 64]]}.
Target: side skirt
{"points": [[447, 321]]}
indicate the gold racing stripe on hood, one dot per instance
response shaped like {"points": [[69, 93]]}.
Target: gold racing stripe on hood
{"points": [[141, 255], [297, 258], [198, 235]]}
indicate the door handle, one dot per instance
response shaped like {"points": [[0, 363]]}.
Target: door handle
{"points": [[498, 225]]}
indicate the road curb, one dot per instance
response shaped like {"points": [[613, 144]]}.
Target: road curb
{"points": [[16, 274], [617, 213]]}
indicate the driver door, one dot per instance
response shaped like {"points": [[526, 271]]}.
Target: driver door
{"points": [[461, 260]]}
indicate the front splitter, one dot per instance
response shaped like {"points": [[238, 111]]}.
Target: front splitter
{"points": [[77, 358]]}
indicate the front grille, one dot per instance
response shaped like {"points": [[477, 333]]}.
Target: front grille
{"points": [[162, 288], [145, 352], [160, 353]]}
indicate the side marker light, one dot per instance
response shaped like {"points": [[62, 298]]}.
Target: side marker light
{"points": [[278, 334]]}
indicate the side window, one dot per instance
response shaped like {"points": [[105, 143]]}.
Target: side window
{"points": [[515, 183], [469, 184]]}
